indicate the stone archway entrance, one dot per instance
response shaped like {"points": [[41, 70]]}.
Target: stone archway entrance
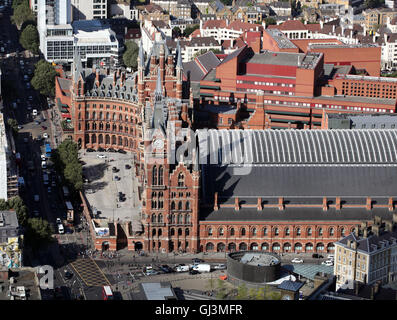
{"points": [[138, 246]]}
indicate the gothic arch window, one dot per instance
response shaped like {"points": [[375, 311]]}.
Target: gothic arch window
{"points": [[309, 231], [287, 231], [154, 204], [276, 231], [172, 218], [94, 115], [220, 232], [100, 115], [153, 218], [154, 176], [210, 231], [186, 232], [232, 231], [100, 138], [180, 205], [161, 174], [180, 218], [87, 115], [120, 141], [264, 232], [179, 232], [113, 139], [187, 219], [173, 205], [107, 139], [94, 126], [114, 127], [172, 232], [79, 115], [181, 180], [100, 126], [79, 125], [187, 205], [107, 116], [160, 218], [108, 128], [331, 232], [298, 231], [242, 232], [113, 116], [120, 117]]}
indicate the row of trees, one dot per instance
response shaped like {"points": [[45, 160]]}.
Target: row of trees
{"points": [[37, 232], [44, 78], [66, 161]]}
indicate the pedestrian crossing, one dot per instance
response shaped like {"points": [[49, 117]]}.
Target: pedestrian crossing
{"points": [[90, 273]]}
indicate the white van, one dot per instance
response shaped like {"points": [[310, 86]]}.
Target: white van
{"points": [[61, 230], [182, 268]]}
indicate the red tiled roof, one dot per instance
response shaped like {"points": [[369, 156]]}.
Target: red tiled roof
{"points": [[195, 33], [289, 25], [213, 24], [239, 25]]}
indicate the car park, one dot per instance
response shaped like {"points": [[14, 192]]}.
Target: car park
{"points": [[297, 260]]}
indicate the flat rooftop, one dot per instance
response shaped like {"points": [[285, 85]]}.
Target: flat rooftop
{"points": [[374, 101], [25, 277], [302, 60], [259, 259], [105, 189], [281, 39]]}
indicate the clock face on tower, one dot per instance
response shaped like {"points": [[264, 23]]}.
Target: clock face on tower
{"points": [[158, 144]]}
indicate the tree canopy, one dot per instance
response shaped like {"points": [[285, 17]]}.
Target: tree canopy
{"points": [[67, 162], [22, 13], [130, 56], [44, 78], [189, 30], [38, 232], [29, 39], [269, 21], [373, 3]]}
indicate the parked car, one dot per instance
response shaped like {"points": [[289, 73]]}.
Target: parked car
{"points": [[317, 256], [220, 266], [151, 273], [36, 198], [117, 178], [194, 272], [90, 150], [68, 275], [45, 135], [101, 149], [329, 263], [297, 260], [44, 127], [101, 156], [127, 166], [121, 151], [111, 150], [197, 260], [114, 169]]}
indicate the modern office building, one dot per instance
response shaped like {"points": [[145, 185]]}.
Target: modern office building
{"points": [[89, 9]]}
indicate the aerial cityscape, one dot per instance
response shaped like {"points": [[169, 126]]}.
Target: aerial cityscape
{"points": [[210, 150]]}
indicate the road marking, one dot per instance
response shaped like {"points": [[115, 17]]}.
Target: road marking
{"points": [[90, 272]]}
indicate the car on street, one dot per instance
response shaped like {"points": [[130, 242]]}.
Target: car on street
{"points": [[193, 272], [114, 169], [45, 135], [68, 275], [37, 122], [20, 127], [127, 166], [166, 268], [317, 256], [111, 150], [58, 221], [101, 156], [121, 151], [90, 150], [297, 260], [49, 189], [36, 198], [329, 263], [101, 149], [43, 158], [151, 273], [53, 184], [116, 178], [197, 260], [220, 266]]}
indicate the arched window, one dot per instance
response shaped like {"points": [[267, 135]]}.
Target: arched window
{"points": [[172, 205], [331, 232], [181, 180], [172, 232], [287, 231], [309, 232], [180, 205], [154, 176], [220, 231], [187, 219], [160, 218], [186, 232], [179, 232], [276, 231], [242, 232], [254, 232], [172, 218], [120, 117], [154, 204], [180, 218], [320, 232], [232, 231], [187, 205], [298, 231], [100, 115], [153, 218], [209, 231], [94, 115], [161, 173], [265, 232], [107, 116], [342, 232]]}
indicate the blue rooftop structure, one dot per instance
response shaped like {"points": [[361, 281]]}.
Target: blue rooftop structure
{"points": [[308, 271], [290, 285]]}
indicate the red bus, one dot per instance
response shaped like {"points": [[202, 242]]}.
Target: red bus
{"points": [[107, 293]]}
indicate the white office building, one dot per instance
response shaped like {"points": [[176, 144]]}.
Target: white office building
{"points": [[89, 9]]}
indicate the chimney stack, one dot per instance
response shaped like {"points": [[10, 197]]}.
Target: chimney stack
{"points": [[97, 78], [216, 206], [236, 204], [337, 203], [281, 203], [259, 204], [114, 78], [325, 205], [122, 78], [391, 204], [368, 206]]}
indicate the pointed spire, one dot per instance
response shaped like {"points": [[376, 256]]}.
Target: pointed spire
{"points": [[179, 58], [140, 55], [159, 90]]}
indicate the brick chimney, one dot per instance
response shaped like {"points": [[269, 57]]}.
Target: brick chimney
{"points": [[368, 205], [216, 206], [325, 205], [114, 78], [391, 205], [184, 113], [97, 78], [281, 203], [337, 203], [122, 78], [259, 204], [236, 204]]}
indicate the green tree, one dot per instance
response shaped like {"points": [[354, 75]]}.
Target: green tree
{"points": [[130, 56], [44, 78], [176, 32], [29, 39], [16, 3], [17, 204], [269, 21], [242, 292], [373, 3], [4, 205], [74, 175], [38, 232], [22, 13], [13, 125], [189, 30], [216, 51], [221, 292]]}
